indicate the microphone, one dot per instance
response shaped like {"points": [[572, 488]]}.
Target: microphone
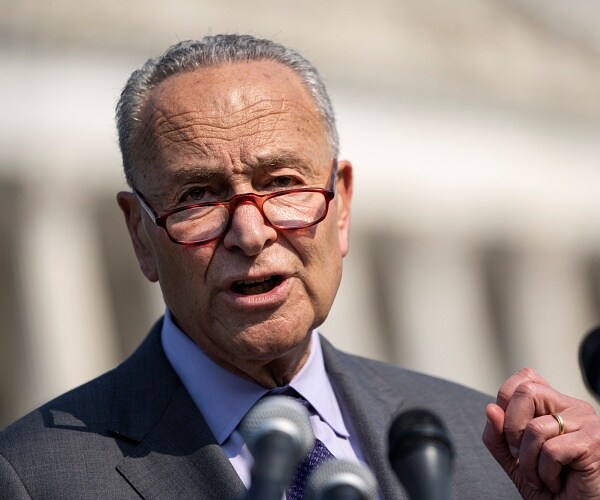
{"points": [[421, 454], [341, 480], [278, 433], [589, 361]]}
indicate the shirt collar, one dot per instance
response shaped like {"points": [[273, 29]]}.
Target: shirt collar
{"points": [[312, 383], [224, 398]]}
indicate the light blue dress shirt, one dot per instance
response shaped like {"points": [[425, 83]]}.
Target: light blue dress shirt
{"points": [[224, 398]]}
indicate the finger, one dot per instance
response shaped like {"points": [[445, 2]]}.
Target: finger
{"points": [[493, 435], [579, 448], [536, 434], [493, 438], [549, 467], [507, 390], [531, 400]]}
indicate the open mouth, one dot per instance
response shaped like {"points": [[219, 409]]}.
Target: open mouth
{"points": [[255, 287]]}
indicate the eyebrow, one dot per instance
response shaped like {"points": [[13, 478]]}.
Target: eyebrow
{"points": [[206, 173], [195, 173], [282, 159]]}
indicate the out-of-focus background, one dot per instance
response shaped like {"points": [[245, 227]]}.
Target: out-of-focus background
{"points": [[474, 127]]}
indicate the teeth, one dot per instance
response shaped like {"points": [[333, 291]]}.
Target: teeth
{"points": [[255, 287], [253, 282]]}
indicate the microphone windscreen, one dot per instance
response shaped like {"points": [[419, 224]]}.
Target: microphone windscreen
{"points": [[589, 360], [415, 426], [341, 473], [421, 453], [278, 414]]}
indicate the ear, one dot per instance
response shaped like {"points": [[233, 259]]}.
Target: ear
{"points": [[344, 197], [139, 237]]}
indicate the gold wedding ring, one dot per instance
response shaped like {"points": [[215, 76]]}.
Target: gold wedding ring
{"points": [[561, 423]]}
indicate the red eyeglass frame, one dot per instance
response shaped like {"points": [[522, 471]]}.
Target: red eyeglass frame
{"points": [[232, 203]]}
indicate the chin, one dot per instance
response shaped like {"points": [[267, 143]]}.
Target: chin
{"points": [[268, 345]]}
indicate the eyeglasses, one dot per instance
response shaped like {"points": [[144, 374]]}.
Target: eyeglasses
{"points": [[201, 223]]}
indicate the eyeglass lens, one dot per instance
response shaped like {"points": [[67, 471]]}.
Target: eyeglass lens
{"points": [[294, 210]]}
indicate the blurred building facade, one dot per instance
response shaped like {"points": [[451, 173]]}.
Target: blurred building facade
{"points": [[474, 129]]}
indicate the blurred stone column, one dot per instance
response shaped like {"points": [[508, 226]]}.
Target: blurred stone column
{"points": [[550, 311], [13, 373], [70, 338], [438, 312]]}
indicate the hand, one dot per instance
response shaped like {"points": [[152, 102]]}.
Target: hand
{"points": [[523, 437]]}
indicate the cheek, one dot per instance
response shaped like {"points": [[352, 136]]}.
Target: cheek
{"points": [[323, 261], [182, 272], [323, 289]]}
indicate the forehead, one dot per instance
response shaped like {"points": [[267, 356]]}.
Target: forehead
{"points": [[231, 86], [231, 113]]}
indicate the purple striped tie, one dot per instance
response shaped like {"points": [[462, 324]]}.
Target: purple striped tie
{"points": [[316, 457]]}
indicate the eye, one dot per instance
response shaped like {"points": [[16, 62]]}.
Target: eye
{"points": [[196, 194], [283, 182]]}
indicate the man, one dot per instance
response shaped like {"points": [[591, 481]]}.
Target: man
{"points": [[240, 209]]}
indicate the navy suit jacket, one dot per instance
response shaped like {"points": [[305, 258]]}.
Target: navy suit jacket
{"points": [[135, 433]]}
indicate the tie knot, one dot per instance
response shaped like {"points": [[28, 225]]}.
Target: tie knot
{"points": [[290, 392], [284, 390]]}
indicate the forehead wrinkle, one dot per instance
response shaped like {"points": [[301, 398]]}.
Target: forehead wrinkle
{"points": [[226, 111], [147, 145], [173, 127], [193, 125], [143, 141]]}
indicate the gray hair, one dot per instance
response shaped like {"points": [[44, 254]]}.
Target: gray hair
{"points": [[190, 55]]}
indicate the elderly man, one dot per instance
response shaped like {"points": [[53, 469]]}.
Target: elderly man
{"points": [[240, 209]]}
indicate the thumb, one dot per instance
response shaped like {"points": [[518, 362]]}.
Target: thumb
{"points": [[493, 438]]}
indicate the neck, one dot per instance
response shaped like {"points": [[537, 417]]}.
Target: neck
{"points": [[273, 373]]}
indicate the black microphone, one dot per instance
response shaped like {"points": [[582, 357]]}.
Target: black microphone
{"points": [[341, 480], [278, 433], [589, 361], [421, 454]]}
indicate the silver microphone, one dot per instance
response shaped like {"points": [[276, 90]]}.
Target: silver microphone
{"points": [[278, 433]]}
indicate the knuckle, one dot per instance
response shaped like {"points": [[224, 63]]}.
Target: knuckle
{"points": [[591, 437], [586, 408], [534, 429], [527, 373], [550, 448], [526, 390], [503, 395]]}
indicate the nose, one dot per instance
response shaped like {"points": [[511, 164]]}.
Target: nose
{"points": [[248, 230]]}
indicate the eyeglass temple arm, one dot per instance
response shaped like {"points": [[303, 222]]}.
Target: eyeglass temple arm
{"points": [[145, 206], [332, 180]]}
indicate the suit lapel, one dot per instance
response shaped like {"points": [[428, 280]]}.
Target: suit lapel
{"points": [[170, 451], [371, 403], [180, 459]]}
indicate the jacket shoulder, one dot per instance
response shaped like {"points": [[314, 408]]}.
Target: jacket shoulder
{"points": [[413, 385]]}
